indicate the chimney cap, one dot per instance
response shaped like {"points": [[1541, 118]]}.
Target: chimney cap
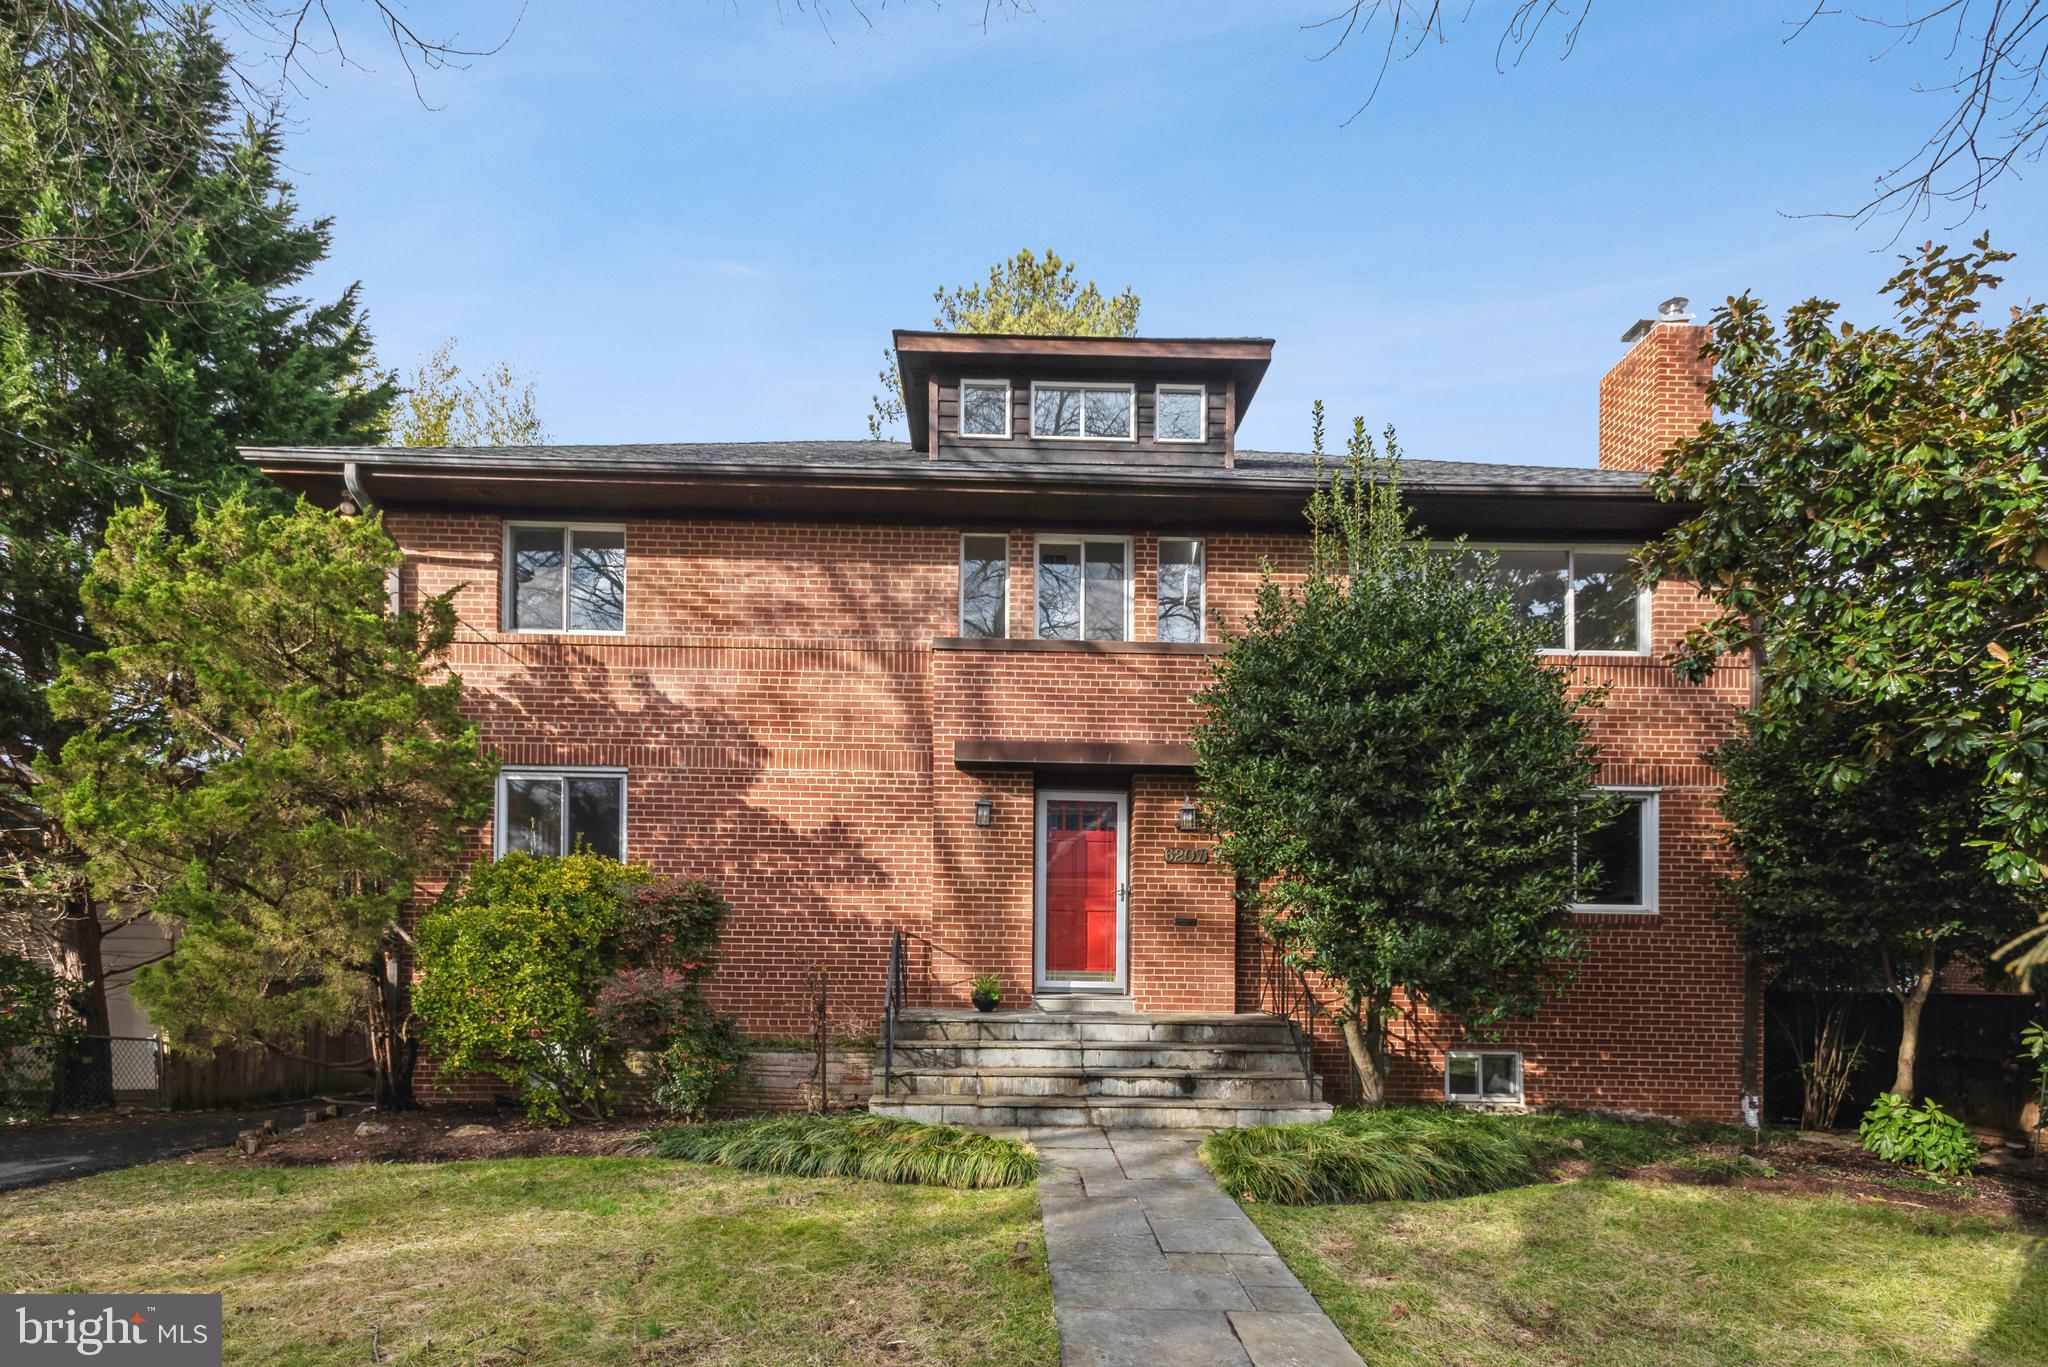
{"points": [[1672, 310]]}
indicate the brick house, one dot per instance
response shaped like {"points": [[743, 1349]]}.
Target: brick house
{"points": [[942, 688]]}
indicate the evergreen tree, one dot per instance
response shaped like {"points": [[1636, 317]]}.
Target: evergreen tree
{"points": [[1398, 781], [113, 386]]}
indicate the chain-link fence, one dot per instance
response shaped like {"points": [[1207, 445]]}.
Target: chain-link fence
{"points": [[83, 1073]]}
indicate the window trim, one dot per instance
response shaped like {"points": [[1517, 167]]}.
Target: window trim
{"points": [[1082, 538], [1202, 601], [1649, 797], [960, 588], [568, 771], [1201, 393], [508, 590], [1482, 1099], [1085, 435], [1571, 608], [960, 414]]}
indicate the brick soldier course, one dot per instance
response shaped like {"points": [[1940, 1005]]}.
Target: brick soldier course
{"points": [[796, 710]]}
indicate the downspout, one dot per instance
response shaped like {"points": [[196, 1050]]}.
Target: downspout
{"points": [[352, 482], [1754, 1026]]}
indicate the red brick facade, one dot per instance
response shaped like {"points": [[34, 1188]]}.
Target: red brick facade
{"points": [[1654, 397]]}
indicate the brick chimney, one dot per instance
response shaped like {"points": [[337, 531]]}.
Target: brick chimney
{"points": [[1656, 395]]}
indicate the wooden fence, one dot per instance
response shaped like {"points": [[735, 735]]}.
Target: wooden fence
{"points": [[234, 1077]]}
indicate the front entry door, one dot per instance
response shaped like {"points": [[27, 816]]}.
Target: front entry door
{"points": [[1081, 890]]}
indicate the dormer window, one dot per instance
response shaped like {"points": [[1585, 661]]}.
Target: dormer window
{"points": [[1078, 412], [984, 408], [1179, 413]]}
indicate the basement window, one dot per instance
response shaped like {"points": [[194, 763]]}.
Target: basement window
{"points": [[1483, 1076], [561, 811], [1075, 412], [565, 577]]}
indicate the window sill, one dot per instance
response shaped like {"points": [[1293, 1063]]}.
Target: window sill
{"points": [[1630, 913], [1596, 654], [1031, 644]]}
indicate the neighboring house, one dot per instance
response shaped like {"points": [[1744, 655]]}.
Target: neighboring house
{"points": [[943, 687]]}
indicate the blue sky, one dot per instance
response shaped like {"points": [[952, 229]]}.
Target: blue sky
{"points": [[697, 221]]}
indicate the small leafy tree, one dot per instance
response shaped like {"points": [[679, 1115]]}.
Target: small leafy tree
{"points": [[38, 1011], [545, 972], [1029, 295], [269, 757], [1872, 886], [1396, 780], [439, 406], [1872, 517]]}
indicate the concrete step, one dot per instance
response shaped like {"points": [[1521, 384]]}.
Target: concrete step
{"points": [[1040, 1056], [1247, 1087], [1085, 1003], [984, 1112], [1087, 1028]]}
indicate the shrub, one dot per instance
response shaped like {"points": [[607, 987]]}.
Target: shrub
{"points": [[697, 1063], [879, 1148], [1392, 1155], [1929, 1137], [35, 1010]]}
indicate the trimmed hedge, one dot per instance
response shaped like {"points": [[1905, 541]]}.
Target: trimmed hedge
{"points": [[878, 1148], [1389, 1155]]}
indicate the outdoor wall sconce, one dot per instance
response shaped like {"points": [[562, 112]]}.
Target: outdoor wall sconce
{"points": [[984, 812], [1190, 819]]}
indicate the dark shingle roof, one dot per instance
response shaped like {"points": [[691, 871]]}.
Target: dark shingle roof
{"points": [[884, 455]]}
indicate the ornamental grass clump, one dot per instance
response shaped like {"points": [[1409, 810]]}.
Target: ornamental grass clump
{"points": [[878, 1148], [1394, 1155]]}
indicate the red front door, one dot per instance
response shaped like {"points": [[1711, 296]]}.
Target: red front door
{"points": [[1081, 876]]}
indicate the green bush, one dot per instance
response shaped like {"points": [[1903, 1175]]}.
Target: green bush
{"points": [[35, 1010], [1929, 1137], [546, 972], [1399, 1154], [878, 1148]]}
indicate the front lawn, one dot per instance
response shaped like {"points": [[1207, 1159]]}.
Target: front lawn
{"points": [[1603, 1270], [554, 1260]]}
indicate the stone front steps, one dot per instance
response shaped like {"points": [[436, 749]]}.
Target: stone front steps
{"points": [[1121, 1069]]}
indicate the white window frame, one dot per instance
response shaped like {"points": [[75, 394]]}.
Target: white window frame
{"points": [[1202, 600], [1037, 567], [1649, 797], [1481, 1098], [512, 771], [960, 589], [1201, 393], [1078, 385], [1571, 609], [508, 596], [960, 415]]}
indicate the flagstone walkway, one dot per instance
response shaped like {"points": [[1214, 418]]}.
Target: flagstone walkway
{"points": [[1153, 1265]]}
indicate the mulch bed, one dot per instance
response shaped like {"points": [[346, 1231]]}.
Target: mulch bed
{"points": [[429, 1137]]}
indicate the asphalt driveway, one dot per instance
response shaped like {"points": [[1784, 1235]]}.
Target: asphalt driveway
{"points": [[31, 1155]]}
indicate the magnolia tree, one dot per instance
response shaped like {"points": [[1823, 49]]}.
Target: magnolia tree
{"points": [[269, 757], [1398, 782], [1872, 519]]}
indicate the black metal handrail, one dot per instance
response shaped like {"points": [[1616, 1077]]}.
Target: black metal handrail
{"points": [[1283, 993], [893, 990]]}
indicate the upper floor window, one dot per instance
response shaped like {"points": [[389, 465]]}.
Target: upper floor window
{"points": [[1180, 413], [985, 585], [561, 811], [1620, 859], [1083, 412], [565, 578], [1584, 601], [1083, 590], [1180, 589], [984, 408]]}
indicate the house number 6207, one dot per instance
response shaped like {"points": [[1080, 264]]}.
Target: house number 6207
{"points": [[1183, 854]]}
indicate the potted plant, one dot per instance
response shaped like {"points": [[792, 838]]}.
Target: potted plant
{"points": [[987, 992]]}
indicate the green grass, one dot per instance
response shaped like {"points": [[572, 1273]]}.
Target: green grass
{"points": [[1401, 1154], [875, 1147], [1615, 1273], [558, 1260]]}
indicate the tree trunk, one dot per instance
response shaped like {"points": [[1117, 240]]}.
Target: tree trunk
{"points": [[1910, 1007], [1364, 1029], [393, 1050], [75, 954]]}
